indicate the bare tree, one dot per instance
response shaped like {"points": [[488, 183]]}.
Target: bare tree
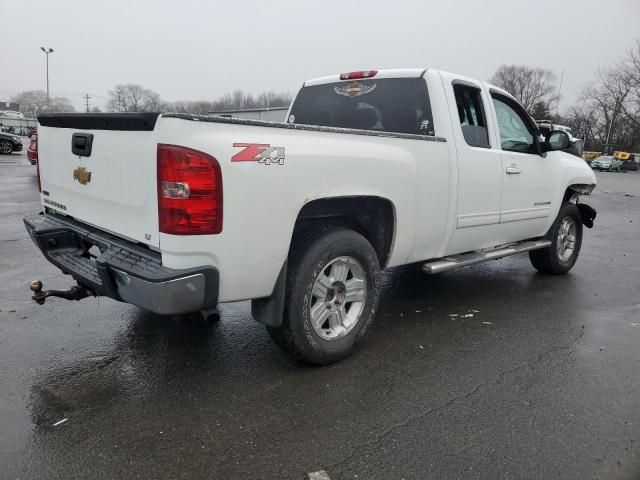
{"points": [[529, 85], [134, 98], [584, 124], [606, 98], [34, 102], [235, 100], [630, 74]]}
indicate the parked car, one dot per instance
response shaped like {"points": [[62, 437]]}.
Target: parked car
{"points": [[373, 169], [32, 150], [630, 165], [11, 114], [10, 143], [627, 160], [590, 156], [606, 162]]}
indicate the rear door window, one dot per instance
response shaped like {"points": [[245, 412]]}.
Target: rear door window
{"points": [[473, 120], [399, 105]]}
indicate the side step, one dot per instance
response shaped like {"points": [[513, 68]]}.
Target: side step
{"points": [[471, 258]]}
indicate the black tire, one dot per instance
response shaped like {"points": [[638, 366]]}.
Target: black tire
{"points": [[210, 318], [5, 147], [548, 260], [313, 254]]}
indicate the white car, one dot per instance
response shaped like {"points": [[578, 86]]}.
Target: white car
{"points": [[11, 114], [176, 213]]}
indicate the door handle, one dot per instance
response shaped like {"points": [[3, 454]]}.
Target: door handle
{"points": [[514, 170]]}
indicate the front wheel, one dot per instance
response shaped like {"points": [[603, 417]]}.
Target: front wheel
{"points": [[566, 239], [6, 147], [333, 287]]}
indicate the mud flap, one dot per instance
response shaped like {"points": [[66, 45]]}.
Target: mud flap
{"points": [[270, 310], [587, 213]]}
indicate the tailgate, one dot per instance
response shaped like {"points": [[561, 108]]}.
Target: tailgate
{"points": [[111, 183]]}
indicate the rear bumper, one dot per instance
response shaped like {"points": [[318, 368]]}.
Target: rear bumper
{"points": [[122, 270]]}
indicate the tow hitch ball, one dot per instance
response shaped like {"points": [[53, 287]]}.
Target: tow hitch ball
{"points": [[78, 292]]}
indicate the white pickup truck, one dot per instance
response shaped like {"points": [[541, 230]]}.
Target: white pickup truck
{"points": [[176, 213]]}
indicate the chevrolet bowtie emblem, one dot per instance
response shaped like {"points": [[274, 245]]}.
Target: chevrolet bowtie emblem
{"points": [[81, 175]]}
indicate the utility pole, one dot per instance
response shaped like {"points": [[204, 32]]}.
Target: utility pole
{"points": [[607, 146], [559, 90], [86, 99], [47, 51]]}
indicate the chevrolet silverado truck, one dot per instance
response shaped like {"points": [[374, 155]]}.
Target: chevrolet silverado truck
{"points": [[176, 213]]}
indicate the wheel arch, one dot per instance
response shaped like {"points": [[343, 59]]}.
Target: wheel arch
{"points": [[573, 193], [577, 189], [372, 216], [365, 214]]}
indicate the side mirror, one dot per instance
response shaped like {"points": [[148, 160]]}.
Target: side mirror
{"points": [[557, 140]]}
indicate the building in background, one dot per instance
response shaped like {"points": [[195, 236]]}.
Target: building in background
{"points": [[273, 114], [12, 121], [15, 122], [11, 106]]}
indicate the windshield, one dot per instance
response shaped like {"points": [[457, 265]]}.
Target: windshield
{"points": [[387, 105]]}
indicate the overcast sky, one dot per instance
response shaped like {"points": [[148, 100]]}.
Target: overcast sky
{"points": [[203, 49]]}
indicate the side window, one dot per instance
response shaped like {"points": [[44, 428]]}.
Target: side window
{"points": [[472, 118], [516, 132]]}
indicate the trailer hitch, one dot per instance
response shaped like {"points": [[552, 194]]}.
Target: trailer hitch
{"points": [[77, 292]]}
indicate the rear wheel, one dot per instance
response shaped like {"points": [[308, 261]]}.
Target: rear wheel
{"points": [[566, 239], [5, 147], [333, 286]]}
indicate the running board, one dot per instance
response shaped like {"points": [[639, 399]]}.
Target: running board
{"points": [[471, 258]]}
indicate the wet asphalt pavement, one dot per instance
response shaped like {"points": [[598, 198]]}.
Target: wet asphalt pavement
{"points": [[541, 382]]}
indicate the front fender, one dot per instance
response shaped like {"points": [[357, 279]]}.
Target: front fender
{"points": [[572, 175]]}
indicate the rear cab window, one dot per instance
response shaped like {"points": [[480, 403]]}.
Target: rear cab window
{"points": [[397, 105]]}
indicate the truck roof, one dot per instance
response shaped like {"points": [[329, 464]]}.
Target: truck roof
{"points": [[393, 73], [388, 73]]}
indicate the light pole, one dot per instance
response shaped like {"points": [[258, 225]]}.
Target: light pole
{"points": [[47, 51]]}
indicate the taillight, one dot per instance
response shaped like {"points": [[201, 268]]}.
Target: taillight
{"points": [[358, 74], [189, 192], [34, 144]]}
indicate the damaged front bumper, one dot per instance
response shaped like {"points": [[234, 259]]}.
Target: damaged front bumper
{"points": [[120, 269], [588, 214]]}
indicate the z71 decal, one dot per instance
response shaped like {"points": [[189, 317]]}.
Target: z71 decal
{"points": [[259, 152]]}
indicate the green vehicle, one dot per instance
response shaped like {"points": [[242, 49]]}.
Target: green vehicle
{"points": [[606, 162]]}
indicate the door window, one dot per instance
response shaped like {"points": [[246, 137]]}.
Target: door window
{"points": [[516, 132], [471, 113]]}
